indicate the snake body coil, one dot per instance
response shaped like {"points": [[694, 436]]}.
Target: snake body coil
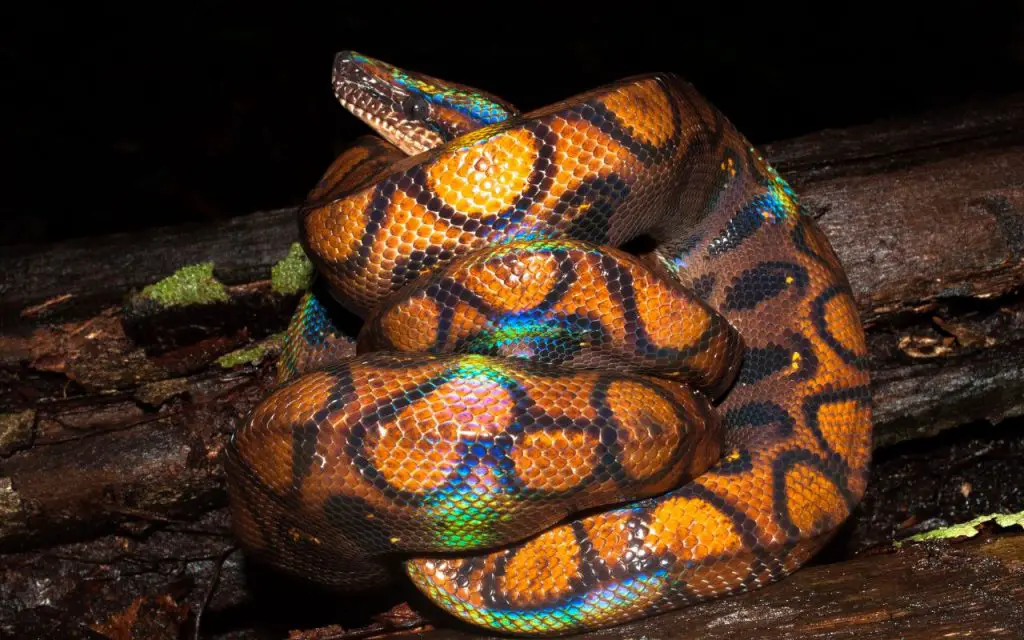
{"points": [[608, 366]]}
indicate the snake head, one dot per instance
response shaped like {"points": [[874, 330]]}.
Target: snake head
{"points": [[413, 111]]}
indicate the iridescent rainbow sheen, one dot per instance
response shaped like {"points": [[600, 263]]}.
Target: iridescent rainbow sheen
{"points": [[615, 596], [308, 332], [524, 335], [474, 104], [476, 369], [469, 514]]}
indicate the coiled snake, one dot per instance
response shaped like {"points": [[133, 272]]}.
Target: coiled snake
{"points": [[608, 366]]}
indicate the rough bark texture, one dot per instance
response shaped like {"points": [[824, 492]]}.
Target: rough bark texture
{"points": [[114, 408]]}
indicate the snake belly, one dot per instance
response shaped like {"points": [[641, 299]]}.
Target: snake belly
{"points": [[608, 367]]}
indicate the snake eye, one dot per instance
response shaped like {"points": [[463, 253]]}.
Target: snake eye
{"points": [[416, 107]]}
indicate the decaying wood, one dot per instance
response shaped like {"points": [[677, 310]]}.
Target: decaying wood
{"points": [[184, 576], [113, 412]]}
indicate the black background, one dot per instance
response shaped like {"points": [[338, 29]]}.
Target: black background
{"points": [[121, 117]]}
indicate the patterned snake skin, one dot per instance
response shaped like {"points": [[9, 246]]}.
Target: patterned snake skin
{"points": [[607, 367]]}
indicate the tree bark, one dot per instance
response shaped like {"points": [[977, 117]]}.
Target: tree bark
{"points": [[114, 408]]}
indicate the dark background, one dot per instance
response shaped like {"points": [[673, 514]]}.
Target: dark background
{"points": [[121, 117]]}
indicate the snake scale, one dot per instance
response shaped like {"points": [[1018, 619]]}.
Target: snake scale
{"points": [[607, 366]]}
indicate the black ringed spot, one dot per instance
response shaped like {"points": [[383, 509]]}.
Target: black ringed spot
{"points": [[740, 227], [465, 571], [764, 282], [736, 462], [813, 403], [387, 410], [591, 569], [760, 363], [760, 413], [491, 593], [821, 324], [799, 238], [603, 195], [742, 525], [597, 114], [446, 294], [704, 286], [835, 473]]}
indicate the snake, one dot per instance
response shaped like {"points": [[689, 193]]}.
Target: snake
{"points": [[606, 364]]}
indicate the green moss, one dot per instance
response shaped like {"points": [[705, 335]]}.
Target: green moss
{"points": [[294, 273], [193, 284], [968, 529], [252, 354]]}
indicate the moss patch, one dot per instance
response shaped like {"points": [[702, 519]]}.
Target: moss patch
{"points": [[294, 273], [252, 354], [193, 284], [968, 529]]}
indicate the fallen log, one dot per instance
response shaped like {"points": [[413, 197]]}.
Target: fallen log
{"points": [[116, 399]]}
